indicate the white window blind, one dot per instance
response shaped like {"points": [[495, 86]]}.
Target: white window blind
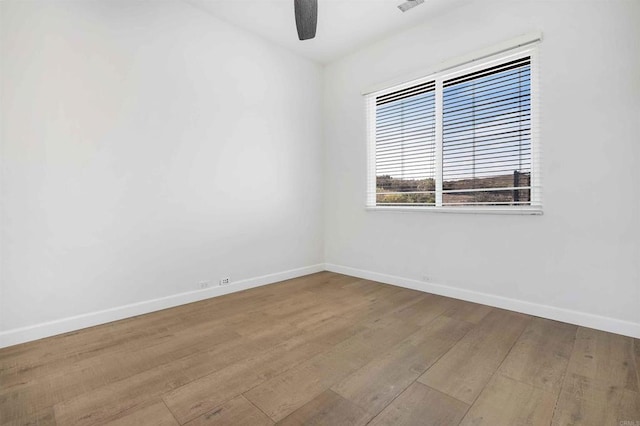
{"points": [[405, 146], [457, 139], [486, 136]]}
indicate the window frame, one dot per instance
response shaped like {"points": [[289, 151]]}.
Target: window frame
{"points": [[535, 207]]}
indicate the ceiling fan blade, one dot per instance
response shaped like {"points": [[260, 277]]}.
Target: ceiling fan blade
{"points": [[306, 18]]}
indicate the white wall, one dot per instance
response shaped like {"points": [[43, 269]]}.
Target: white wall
{"points": [[580, 260], [147, 146]]}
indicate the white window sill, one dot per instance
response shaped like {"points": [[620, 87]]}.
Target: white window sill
{"points": [[464, 210]]}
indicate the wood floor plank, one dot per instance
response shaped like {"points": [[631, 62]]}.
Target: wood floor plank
{"points": [[36, 359], [123, 335], [92, 373], [377, 383], [45, 417], [127, 394], [195, 398], [421, 405], [94, 340], [287, 392], [327, 408], [327, 309], [384, 301], [291, 306], [464, 371], [333, 330], [89, 373], [506, 401], [237, 411], [122, 397], [109, 368], [429, 307], [587, 402], [604, 357], [153, 415], [341, 284], [291, 312], [202, 395], [541, 355], [467, 311], [205, 393]]}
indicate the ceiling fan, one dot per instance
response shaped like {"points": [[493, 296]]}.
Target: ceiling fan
{"points": [[306, 18], [306, 12]]}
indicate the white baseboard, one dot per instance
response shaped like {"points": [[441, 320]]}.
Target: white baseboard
{"points": [[52, 328], [598, 322]]}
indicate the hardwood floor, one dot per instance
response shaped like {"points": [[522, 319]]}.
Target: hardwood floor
{"points": [[325, 349]]}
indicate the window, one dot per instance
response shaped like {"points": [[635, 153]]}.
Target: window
{"points": [[462, 139]]}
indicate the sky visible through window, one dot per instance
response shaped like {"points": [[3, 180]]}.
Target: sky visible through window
{"points": [[486, 141]]}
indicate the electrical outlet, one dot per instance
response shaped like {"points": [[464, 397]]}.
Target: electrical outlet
{"points": [[204, 284], [225, 281]]}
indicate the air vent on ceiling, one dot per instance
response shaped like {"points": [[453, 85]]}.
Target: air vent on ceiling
{"points": [[409, 4]]}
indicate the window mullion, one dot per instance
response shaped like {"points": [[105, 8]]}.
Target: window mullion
{"points": [[371, 150], [438, 114]]}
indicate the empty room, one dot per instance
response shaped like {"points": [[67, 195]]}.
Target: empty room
{"points": [[320, 212]]}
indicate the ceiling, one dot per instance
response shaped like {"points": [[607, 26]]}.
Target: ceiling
{"points": [[343, 25]]}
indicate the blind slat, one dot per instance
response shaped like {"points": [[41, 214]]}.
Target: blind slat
{"points": [[488, 71], [405, 93]]}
